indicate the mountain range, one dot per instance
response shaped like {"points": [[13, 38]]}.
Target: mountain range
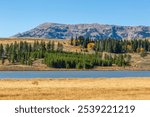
{"points": [[94, 31]]}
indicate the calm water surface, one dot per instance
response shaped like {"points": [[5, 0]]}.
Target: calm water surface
{"points": [[73, 74]]}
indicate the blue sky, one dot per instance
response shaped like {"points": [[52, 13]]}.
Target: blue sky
{"points": [[21, 15]]}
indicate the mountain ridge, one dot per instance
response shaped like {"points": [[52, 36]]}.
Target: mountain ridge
{"points": [[93, 31]]}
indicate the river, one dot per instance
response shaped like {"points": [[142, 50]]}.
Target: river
{"points": [[73, 74]]}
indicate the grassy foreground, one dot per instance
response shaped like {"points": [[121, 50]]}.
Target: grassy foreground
{"points": [[75, 89]]}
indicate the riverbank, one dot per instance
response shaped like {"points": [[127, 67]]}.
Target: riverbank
{"points": [[75, 89], [45, 68]]}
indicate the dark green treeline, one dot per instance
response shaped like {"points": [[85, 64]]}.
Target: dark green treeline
{"points": [[113, 45], [54, 56]]}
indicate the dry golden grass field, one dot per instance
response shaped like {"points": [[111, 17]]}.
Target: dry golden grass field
{"points": [[75, 89]]}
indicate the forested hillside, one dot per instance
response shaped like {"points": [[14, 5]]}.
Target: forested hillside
{"points": [[113, 45], [93, 53], [54, 56]]}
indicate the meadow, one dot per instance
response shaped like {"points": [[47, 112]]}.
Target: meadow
{"points": [[75, 89]]}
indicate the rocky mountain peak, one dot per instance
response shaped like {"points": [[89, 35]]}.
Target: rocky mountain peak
{"points": [[94, 31]]}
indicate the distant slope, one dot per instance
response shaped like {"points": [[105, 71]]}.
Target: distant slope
{"points": [[94, 31]]}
